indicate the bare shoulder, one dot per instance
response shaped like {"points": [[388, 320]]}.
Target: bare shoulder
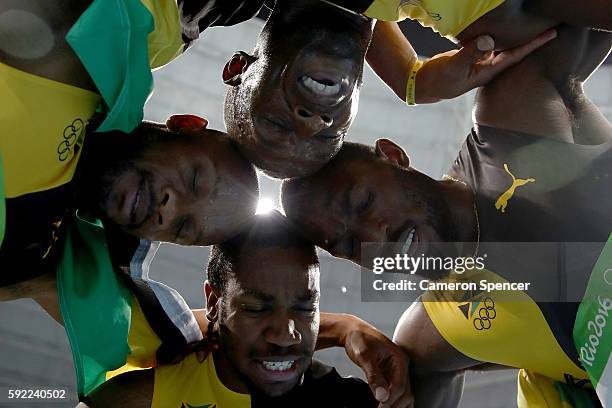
{"points": [[32, 21], [133, 389], [33, 38]]}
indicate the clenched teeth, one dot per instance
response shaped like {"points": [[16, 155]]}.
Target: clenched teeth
{"points": [[319, 87], [408, 242], [278, 365]]}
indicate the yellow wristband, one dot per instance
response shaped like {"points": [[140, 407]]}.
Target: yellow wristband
{"points": [[411, 84]]}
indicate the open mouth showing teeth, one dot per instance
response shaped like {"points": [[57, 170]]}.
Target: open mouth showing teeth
{"points": [[320, 86], [278, 365], [407, 243]]}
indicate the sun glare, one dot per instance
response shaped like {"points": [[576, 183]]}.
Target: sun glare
{"points": [[264, 206]]}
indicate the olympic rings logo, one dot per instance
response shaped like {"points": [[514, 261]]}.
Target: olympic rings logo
{"points": [[72, 135], [608, 276], [485, 314]]}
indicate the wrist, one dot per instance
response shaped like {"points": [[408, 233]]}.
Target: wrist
{"points": [[335, 328], [350, 327], [411, 81], [425, 86]]}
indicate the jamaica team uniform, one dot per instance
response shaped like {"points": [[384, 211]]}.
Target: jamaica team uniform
{"points": [[544, 210], [448, 18], [116, 318], [195, 384]]}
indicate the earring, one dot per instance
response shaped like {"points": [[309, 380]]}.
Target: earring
{"points": [[212, 336]]}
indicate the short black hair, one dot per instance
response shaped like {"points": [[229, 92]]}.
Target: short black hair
{"points": [[265, 231]]}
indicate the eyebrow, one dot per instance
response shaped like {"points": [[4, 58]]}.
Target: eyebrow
{"points": [[264, 297], [311, 295]]}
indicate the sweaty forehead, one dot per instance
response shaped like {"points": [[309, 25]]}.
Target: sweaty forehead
{"points": [[273, 271], [350, 158]]}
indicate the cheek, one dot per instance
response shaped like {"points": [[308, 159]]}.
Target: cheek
{"points": [[161, 166], [237, 335], [313, 332], [252, 94], [243, 328], [237, 183]]}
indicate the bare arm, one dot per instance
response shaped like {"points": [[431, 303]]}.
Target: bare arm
{"points": [[391, 56], [35, 34], [446, 75], [133, 389], [333, 329], [586, 13], [384, 364], [436, 368]]}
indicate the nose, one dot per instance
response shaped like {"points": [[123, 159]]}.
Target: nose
{"points": [[311, 122], [167, 208], [282, 332]]}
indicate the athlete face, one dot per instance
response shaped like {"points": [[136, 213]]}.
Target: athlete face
{"points": [[190, 186], [295, 100], [378, 198], [269, 318]]}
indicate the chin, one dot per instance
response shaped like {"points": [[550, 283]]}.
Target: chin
{"points": [[277, 390]]}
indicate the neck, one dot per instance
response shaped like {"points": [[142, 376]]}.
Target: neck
{"points": [[313, 17], [461, 203], [227, 374]]}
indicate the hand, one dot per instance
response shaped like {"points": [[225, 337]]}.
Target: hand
{"points": [[383, 362], [453, 73]]}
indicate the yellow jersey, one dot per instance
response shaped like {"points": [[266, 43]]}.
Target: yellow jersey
{"points": [[42, 123], [448, 18], [508, 328], [194, 384]]}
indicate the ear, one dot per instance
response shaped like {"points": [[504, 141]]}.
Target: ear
{"points": [[236, 66], [213, 301], [186, 122], [388, 150]]}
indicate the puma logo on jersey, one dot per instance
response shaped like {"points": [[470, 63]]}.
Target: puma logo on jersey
{"points": [[502, 201]]}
